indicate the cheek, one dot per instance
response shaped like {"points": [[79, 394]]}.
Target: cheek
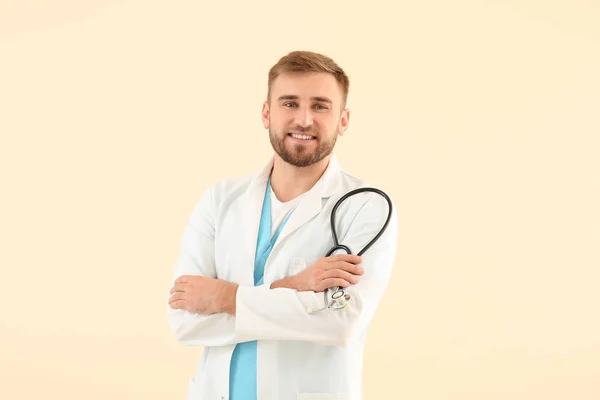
{"points": [[326, 123], [278, 121]]}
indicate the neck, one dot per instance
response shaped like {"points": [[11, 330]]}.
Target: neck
{"points": [[289, 181]]}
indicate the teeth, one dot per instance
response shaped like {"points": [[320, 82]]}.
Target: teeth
{"points": [[304, 137]]}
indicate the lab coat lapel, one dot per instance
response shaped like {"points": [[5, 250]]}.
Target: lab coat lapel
{"points": [[249, 207], [304, 212]]}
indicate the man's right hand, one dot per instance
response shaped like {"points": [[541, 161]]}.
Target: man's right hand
{"points": [[327, 272]]}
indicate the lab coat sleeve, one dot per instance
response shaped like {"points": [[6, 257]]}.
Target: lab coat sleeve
{"points": [[281, 313], [197, 257]]}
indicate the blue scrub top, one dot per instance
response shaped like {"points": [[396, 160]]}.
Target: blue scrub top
{"points": [[242, 381]]}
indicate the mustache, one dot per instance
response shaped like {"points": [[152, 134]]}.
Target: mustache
{"points": [[307, 129]]}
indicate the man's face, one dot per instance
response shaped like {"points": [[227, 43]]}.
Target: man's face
{"points": [[304, 117]]}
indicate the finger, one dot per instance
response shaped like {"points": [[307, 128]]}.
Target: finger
{"points": [[351, 258], [176, 297], [178, 287], [182, 279], [177, 304], [340, 273], [333, 282], [353, 269]]}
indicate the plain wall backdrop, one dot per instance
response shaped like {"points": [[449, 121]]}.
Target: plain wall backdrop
{"points": [[480, 118]]}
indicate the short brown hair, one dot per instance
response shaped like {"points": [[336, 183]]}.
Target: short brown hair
{"points": [[308, 61]]}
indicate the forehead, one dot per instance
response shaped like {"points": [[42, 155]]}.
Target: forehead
{"points": [[306, 85]]}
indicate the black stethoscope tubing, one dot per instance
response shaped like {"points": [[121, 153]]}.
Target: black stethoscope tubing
{"points": [[337, 246]]}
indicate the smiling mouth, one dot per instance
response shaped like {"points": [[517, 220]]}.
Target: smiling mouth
{"points": [[301, 136]]}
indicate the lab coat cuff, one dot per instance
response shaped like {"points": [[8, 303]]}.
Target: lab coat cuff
{"points": [[261, 312], [245, 319]]}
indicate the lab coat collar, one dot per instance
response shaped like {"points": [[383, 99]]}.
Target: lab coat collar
{"points": [[327, 186]]}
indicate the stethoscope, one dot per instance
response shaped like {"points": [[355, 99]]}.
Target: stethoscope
{"points": [[339, 299]]}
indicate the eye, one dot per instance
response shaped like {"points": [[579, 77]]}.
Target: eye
{"points": [[289, 104], [321, 107]]}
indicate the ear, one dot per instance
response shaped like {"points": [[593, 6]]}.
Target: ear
{"points": [[265, 114], [344, 122]]}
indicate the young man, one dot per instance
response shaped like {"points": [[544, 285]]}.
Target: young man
{"points": [[252, 276]]}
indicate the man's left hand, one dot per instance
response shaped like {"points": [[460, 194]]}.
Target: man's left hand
{"points": [[203, 295]]}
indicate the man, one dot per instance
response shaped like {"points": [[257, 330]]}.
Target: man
{"points": [[251, 280]]}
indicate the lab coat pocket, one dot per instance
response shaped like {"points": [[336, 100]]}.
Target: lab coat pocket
{"points": [[320, 396], [297, 265]]}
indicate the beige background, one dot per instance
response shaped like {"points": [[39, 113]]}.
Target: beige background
{"points": [[481, 118]]}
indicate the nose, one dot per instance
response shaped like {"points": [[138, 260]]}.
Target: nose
{"points": [[304, 117]]}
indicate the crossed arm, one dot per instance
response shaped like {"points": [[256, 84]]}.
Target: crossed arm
{"points": [[205, 295], [207, 311]]}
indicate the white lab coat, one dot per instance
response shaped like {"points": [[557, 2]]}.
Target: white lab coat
{"points": [[300, 356]]}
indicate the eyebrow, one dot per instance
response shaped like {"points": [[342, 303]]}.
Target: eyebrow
{"points": [[294, 97]]}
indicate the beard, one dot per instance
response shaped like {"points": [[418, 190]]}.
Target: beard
{"points": [[298, 154]]}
